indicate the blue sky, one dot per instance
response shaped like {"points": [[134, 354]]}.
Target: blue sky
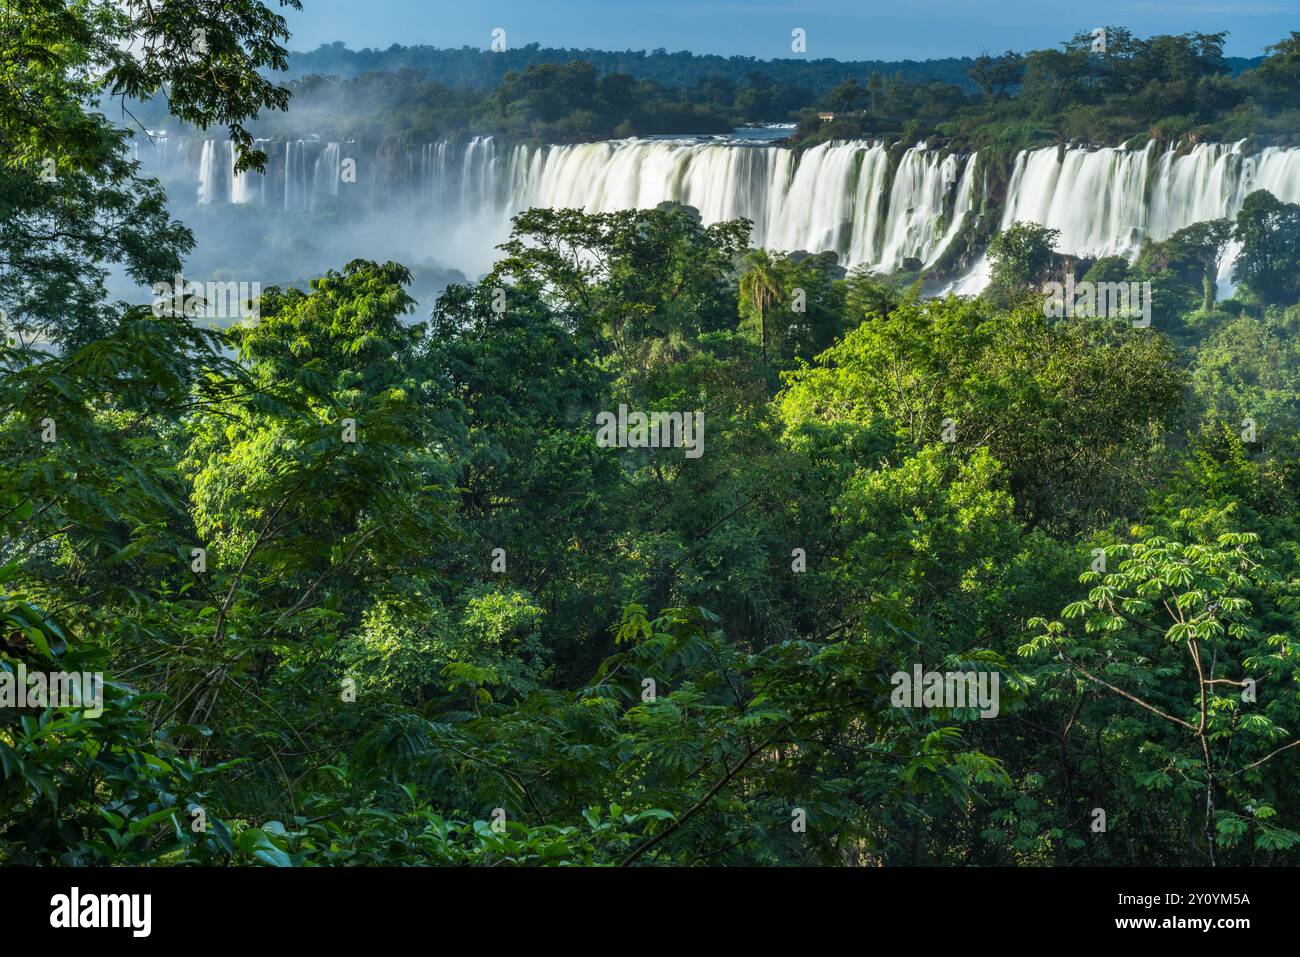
{"points": [[844, 29]]}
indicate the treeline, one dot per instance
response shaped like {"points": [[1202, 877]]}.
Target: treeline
{"points": [[1102, 89], [545, 103], [551, 103], [480, 69], [1166, 87]]}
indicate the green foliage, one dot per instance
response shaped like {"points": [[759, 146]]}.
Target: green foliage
{"points": [[1165, 86], [1021, 256], [1185, 611], [366, 590], [1269, 233]]}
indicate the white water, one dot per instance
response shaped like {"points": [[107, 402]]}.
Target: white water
{"points": [[295, 175], [208, 173], [246, 187], [325, 173], [852, 197], [832, 197], [1102, 205]]}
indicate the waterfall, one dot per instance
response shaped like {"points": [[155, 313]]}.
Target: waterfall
{"points": [[325, 173], [151, 152], [1096, 198], [1107, 202], [832, 197], [961, 209], [815, 210], [478, 181], [430, 183], [720, 181], [438, 172], [208, 173], [300, 187], [916, 206], [247, 187], [874, 205], [295, 172]]}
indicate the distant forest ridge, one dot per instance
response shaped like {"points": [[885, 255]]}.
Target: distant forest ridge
{"points": [[1168, 88], [480, 69]]}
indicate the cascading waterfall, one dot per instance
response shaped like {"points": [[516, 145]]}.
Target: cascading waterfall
{"points": [[722, 182], [208, 173], [916, 205], [831, 198], [961, 209], [295, 175], [326, 173], [815, 210], [153, 151], [1095, 198], [1107, 202], [873, 205], [434, 173], [249, 187], [869, 206], [478, 180]]}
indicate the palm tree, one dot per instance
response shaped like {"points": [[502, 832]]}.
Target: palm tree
{"points": [[874, 86], [760, 287]]}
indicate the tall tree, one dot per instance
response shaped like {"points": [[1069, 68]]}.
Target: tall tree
{"points": [[760, 288], [1269, 232]]}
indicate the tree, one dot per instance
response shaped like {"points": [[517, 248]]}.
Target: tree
{"points": [[1204, 243], [72, 202], [626, 276], [875, 84], [1186, 597], [1058, 404], [996, 75], [759, 288], [1276, 81], [1020, 256], [1269, 232], [848, 96], [1193, 254]]}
